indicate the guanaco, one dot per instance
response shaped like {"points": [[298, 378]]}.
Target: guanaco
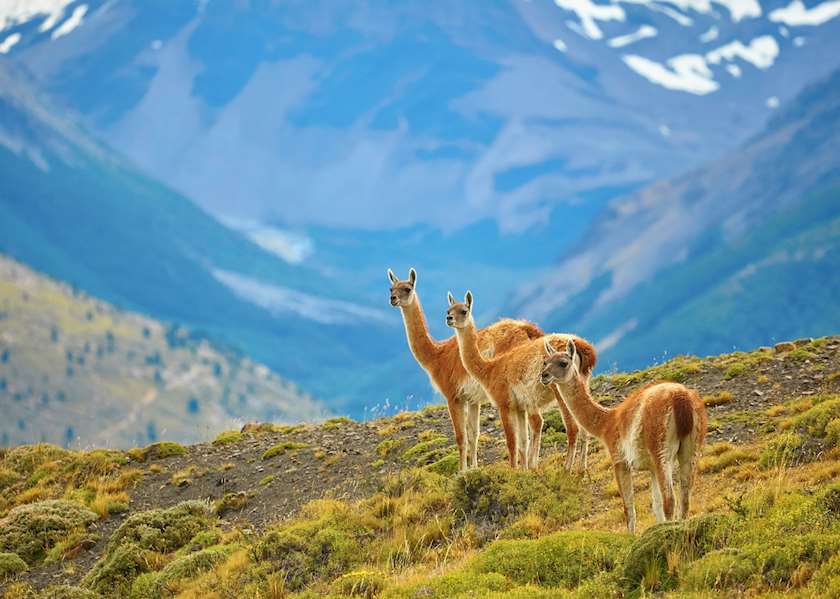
{"points": [[442, 363], [511, 380], [657, 427]]}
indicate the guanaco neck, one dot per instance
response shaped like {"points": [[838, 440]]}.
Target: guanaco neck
{"points": [[591, 415], [424, 348], [473, 361]]}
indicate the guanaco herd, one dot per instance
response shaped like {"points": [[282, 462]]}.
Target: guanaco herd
{"points": [[660, 427]]}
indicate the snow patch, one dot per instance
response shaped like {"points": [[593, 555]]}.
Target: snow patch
{"points": [[7, 43], [761, 52], [796, 14], [711, 35], [282, 300], [685, 73], [70, 24], [588, 12], [691, 73], [644, 32], [292, 247], [15, 12]]}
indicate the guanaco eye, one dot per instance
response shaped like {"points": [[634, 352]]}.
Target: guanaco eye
{"points": [[464, 312]]}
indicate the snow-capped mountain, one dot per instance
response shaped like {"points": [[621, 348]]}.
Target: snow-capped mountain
{"points": [[378, 115], [341, 137], [744, 250]]}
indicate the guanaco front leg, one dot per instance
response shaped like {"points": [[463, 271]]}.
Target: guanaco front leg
{"points": [[509, 428], [521, 420], [473, 424], [456, 413], [625, 487], [536, 421]]}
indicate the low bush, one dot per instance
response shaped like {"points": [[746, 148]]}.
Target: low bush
{"points": [[495, 496], [652, 557], [32, 530], [10, 566], [563, 559]]}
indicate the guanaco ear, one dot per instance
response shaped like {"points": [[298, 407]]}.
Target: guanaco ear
{"points": [[450, 297], [549, 349], [392, 277], [412, 276], [570, 348], [468, 299]]}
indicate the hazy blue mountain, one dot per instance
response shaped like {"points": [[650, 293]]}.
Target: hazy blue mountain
{"points": [[251, 168], [380, 115], [742, 252], [74, 210]]}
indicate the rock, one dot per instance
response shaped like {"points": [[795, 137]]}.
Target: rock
{"points": [[803, 341], [784, 346], [757, 392], [765, 349]]}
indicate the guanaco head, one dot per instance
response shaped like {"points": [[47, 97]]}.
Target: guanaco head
{"points": [[559, 366], [459, 314], [402, 292]]}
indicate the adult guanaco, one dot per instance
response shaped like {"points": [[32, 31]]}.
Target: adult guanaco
{"points": [[659, 427], [442, 363], [511, 380]]}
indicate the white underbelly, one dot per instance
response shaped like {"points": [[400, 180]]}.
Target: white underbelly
{"points": [[471, 391]]}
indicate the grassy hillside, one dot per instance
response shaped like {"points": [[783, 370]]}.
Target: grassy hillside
{"points": [[77, 211], [374, 509], [74, 367]]}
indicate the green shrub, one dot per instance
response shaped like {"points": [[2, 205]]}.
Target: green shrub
{"points": [[453, 584], [734, 370], [563, 559], [328, 539], [8, 478], [818, 421], [765, 565], [426, 452], [445, 466], [203, 540], [156, 451], [359, 583], [66, 592], [32, 530], [228, 437], [10, 566], [283, 447], [336, 423], [717, 570], [647, 563], [496, 495], [230, 502], [113, 574], [159, 584], [826, 580], [387, 447], [784, 449], [163, 530]]}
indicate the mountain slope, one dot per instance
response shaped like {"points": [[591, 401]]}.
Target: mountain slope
{"points": [[743, 251], [77, 370], [411, 114], [78, 212], [398, 523]]}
